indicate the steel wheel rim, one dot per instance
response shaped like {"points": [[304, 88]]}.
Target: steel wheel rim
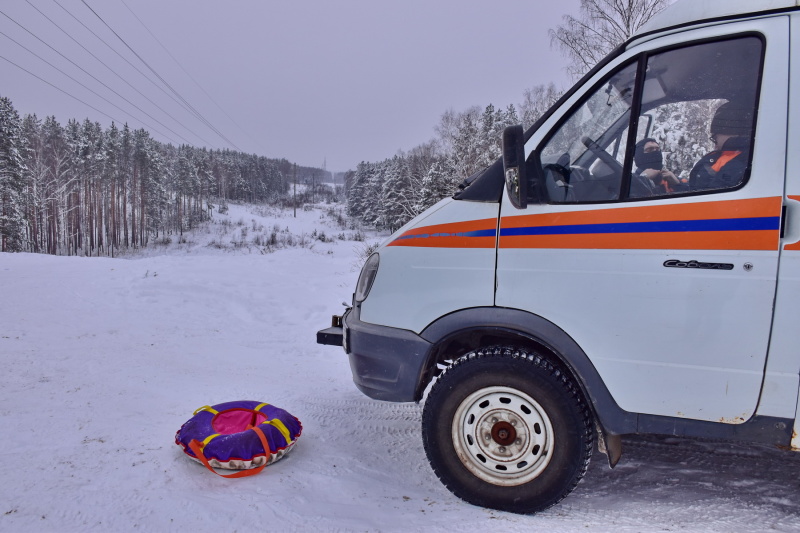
{"points": [[502, 436]]}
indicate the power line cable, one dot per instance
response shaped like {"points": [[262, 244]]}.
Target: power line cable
{"points": [[197, 113], [85, 87], [187, 72], [90, 75], [109, 68], [60, 89], [144, 75]]}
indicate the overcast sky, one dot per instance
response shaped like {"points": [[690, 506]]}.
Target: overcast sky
{"points": [[313, 81]]}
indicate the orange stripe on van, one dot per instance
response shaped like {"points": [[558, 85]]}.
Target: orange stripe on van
{"points": [[469, 234], [750, 224]]}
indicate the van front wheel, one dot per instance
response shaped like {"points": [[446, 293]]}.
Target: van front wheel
{"points": [[503, 428]]}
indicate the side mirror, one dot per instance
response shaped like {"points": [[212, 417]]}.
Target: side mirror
{"points": [[514, 166]]}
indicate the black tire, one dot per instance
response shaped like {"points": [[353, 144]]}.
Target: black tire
{"points": [[505, 429]]}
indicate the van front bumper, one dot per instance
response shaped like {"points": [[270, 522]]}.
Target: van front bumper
{"points": [[387, 363]]}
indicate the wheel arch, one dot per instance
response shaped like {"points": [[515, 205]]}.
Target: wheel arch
{"points": [[468, 329]]}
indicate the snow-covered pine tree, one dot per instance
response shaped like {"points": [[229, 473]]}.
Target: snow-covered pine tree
{"points": [[185, 178], [438, 183], [56, 155], [70, 206], [488, 135], [466, 143], [35, 175], [90, 191], [155, 195], [420, 160], [126, 173], [356, 191], [493, 122], [111, 179], [398, 193], [12, 168], [375, 213]]}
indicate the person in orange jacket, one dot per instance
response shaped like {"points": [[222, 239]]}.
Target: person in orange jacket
{"points": [[725, 167]]}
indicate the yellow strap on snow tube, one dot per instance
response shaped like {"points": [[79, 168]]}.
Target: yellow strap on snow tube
{"points": [[208, 439], [282, 428], [207, 408]]}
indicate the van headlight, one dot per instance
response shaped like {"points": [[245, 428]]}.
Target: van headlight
{"points": [[367, 277]]}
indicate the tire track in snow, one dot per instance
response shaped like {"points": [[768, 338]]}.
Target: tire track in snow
{"points": [[695, 484]]}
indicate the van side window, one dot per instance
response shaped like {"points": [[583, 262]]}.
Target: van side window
{"points": [[583, 160], [694, 127]]}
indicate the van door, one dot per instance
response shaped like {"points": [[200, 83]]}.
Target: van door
{"points": [[662, 267], [779, 397]]}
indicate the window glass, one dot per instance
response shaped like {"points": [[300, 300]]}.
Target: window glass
{"points": [[703, 101], [583, 159], [693, 129], [677, 138]]}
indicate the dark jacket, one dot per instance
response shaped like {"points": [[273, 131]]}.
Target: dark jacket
{"points": [[722, 169]]}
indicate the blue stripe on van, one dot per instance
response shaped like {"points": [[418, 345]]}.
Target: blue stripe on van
{"points": [[722, 224]]}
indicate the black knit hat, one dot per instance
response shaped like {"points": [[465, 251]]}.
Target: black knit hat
{"points": [[732, 119]]}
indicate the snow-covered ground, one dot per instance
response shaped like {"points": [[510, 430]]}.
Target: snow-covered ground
{"points": [[104, 359]]}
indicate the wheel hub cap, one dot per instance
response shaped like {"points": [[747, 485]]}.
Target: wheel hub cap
{"points": [[502, 435]]}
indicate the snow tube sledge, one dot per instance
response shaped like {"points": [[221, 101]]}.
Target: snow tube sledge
{"points": [[240, 435]]}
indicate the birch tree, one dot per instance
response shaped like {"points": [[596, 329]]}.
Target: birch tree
{"points": [[536, 101], [601, 26]]}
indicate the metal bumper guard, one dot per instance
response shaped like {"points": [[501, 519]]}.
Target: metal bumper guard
{"points": [[387, 363], [334, 335]]}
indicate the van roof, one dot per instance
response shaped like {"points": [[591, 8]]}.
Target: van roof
{"points": [[688, 11]]}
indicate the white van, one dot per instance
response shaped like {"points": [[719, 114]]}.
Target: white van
{"points": [[631, 266]]}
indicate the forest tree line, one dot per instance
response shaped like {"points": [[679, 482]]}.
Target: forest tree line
{"points": [[389, 193], [80, 189]]}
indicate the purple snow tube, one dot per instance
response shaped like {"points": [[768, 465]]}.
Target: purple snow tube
{"points": [[227, 434]]}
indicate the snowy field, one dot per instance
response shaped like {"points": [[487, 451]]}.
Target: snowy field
{"points": [[104, 359]]}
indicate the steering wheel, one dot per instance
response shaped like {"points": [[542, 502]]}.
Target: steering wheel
{"points": [[601, 154], [557, 178]]}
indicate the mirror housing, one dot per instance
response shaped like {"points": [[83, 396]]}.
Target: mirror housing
{"points": [[516, 176]]}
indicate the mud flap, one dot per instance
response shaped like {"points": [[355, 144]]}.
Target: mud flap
{"points": [[609, 444]]}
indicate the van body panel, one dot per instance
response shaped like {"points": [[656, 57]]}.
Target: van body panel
{"points": [[782, 378], [790, 345], [699, 10], [449, 257], [779, 397]]}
